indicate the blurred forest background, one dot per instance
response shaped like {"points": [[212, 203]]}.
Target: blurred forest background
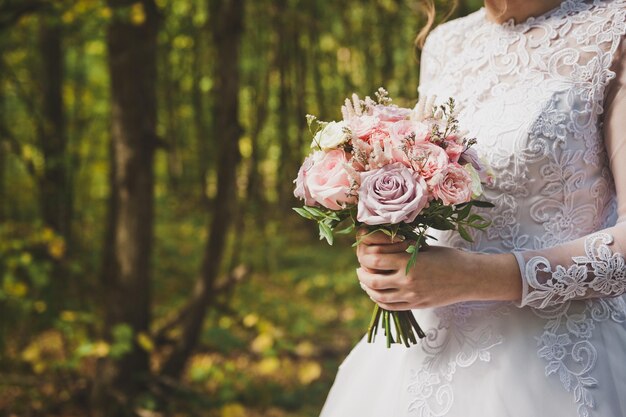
{"points": [[150, 263]]}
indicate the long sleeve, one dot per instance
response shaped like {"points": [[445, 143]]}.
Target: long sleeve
{"points": [[592, 266]]}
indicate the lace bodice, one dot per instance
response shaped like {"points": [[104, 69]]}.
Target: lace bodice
{"points": [[533, 94], [546, 100]]}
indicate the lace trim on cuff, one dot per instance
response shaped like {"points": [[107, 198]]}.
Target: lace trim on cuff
{"points": [[599, 273]]}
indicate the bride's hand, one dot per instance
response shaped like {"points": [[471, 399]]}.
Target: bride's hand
{"points": [[441, 275]]}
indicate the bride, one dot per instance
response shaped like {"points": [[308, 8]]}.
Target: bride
{"points": [[530, 319]]}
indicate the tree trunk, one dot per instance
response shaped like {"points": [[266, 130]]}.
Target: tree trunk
{"points": [[316, 57], [201, 129], [258, 80], [227, 25], [54, 187], [4, 150], [170, 87], [299, 97], [284, 187], [387, 19], [255, 188], [54, 184], [79, 115], [128, 245]]}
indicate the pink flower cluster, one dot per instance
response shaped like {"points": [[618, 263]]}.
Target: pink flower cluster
{"points": [[387, 161]]}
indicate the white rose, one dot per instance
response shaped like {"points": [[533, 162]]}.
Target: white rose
{"points": [[330, 137], [477, 187]]}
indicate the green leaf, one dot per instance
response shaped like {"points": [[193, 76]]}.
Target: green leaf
{"points": [[315, 212], [411, 263], [345, 231], [333, 215], [302, 212], [482, 204], [441, 223], [371, 232], [385, 231], [464, 234], [464, 212], [474, 218], [482, 225], [478, 222], [326, 232]]}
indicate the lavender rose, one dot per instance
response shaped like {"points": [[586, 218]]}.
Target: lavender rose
{"points": [[470, 156], [391, 194]]}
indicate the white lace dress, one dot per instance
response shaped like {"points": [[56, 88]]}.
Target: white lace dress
{"points": [[546, 99]]}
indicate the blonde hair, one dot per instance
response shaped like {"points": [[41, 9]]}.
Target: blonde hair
{"points": [[428, 9]]}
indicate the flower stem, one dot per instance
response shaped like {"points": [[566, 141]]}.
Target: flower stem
{"points": [[373, 327], [418, 329], [400, 329]]}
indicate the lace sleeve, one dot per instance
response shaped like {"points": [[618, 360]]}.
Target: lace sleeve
{"points": [[592, 266]]}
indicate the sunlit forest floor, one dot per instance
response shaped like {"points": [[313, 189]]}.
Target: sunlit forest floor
{"points": [[270, 348], [110, 110]]}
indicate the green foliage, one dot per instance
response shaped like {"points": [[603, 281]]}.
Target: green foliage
{"points": [[26, 256], [271, 345], [122, 341]]}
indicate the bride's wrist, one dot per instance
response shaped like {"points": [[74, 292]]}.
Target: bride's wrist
{"points": [[497, 277]]}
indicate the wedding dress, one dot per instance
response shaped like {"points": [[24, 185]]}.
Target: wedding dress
{"points": [[546, 100]]}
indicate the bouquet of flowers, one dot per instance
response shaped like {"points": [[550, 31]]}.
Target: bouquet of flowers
{"points": [[393, 170]]}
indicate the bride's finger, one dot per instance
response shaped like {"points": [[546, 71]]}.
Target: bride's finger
{"points": [[384, 261], [376, 281], [383, 296], [390, 248], [402, 306]]}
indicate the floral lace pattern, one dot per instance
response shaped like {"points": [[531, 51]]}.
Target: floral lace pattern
{"points": [[430, 397], [533, 94], [454, 343], [601, 272], [565, 342]]}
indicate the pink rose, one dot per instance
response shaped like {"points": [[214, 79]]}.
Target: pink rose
{"points": [[328, 180], [398, 132], [453, 185], [302, 190], [428, 159], [403, 128], [379, 135], [391, 113], [454, 149], [382, 150], [390, 195], [363, 126]]}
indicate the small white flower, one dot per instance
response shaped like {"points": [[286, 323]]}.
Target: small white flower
{"points": [[330, 136]]}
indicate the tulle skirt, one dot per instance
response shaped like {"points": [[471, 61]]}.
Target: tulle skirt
{"points": [[490, 360]]}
